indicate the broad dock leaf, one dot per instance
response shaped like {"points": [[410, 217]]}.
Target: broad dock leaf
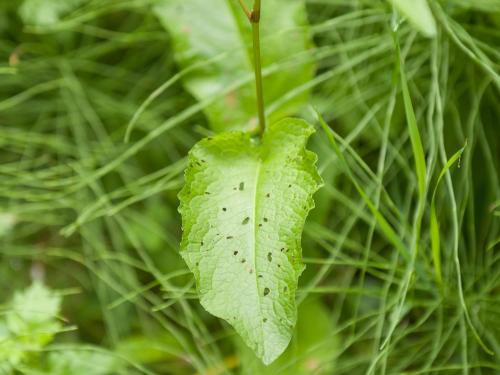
{"points": [[243, 208], [217, 35]]}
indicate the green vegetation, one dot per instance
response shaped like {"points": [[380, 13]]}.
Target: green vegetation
{"points": [[243, 209], [100, 103]]}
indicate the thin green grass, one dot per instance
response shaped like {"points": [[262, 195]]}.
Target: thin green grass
{"points": [[401, 251]]}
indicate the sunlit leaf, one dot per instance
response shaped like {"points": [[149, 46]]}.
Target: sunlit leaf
{"points": [[419, 14], [30, 323], [243, 207], [33, 315]]}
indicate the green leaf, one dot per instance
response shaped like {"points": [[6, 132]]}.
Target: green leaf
{"points": [[415, 138], [9, 352], [46, 13], [34, 315], [29, 324], [434, 222], [216, 36], [419, 14], [243, 208]]}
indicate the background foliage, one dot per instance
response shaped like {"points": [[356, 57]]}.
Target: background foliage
{"points": [[89, 230]]}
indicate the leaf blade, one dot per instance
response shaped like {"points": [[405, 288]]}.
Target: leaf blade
{"points": [[419, 14], [243, 207], [434, 221]]}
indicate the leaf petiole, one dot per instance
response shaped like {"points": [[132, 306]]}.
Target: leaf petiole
{"points": [[254, 18]]}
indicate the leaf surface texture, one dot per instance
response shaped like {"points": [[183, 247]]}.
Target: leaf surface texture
{"points": [[243, 207]]}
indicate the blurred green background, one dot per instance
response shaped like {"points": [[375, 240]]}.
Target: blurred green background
{"points": [[101, 100]]}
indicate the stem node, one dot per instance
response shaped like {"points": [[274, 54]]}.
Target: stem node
{"points": [[255, 16]]}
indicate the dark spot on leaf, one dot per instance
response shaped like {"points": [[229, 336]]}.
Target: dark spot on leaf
{"points": [[267, 291], [265, 219], [269, 256], [289, 186], [197, 264], [264, 320], [229, 237], [203, 161], [282, 249], [279, 265], [224, 209], [243, 260], [236, 252], [260, 225], [245, 220], [201, 243], [260, 276], [285, 289], [242, 186]]}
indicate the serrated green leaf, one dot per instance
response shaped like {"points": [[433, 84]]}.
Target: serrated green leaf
{"points": [[243, 208], [204, 30], [34, 315], [30, 324], [419, 14]]}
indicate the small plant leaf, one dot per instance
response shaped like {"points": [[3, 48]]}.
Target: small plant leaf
{"points": [[34, 314], [243, 208], [28, 325], [419, 15], [215, 37]]}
